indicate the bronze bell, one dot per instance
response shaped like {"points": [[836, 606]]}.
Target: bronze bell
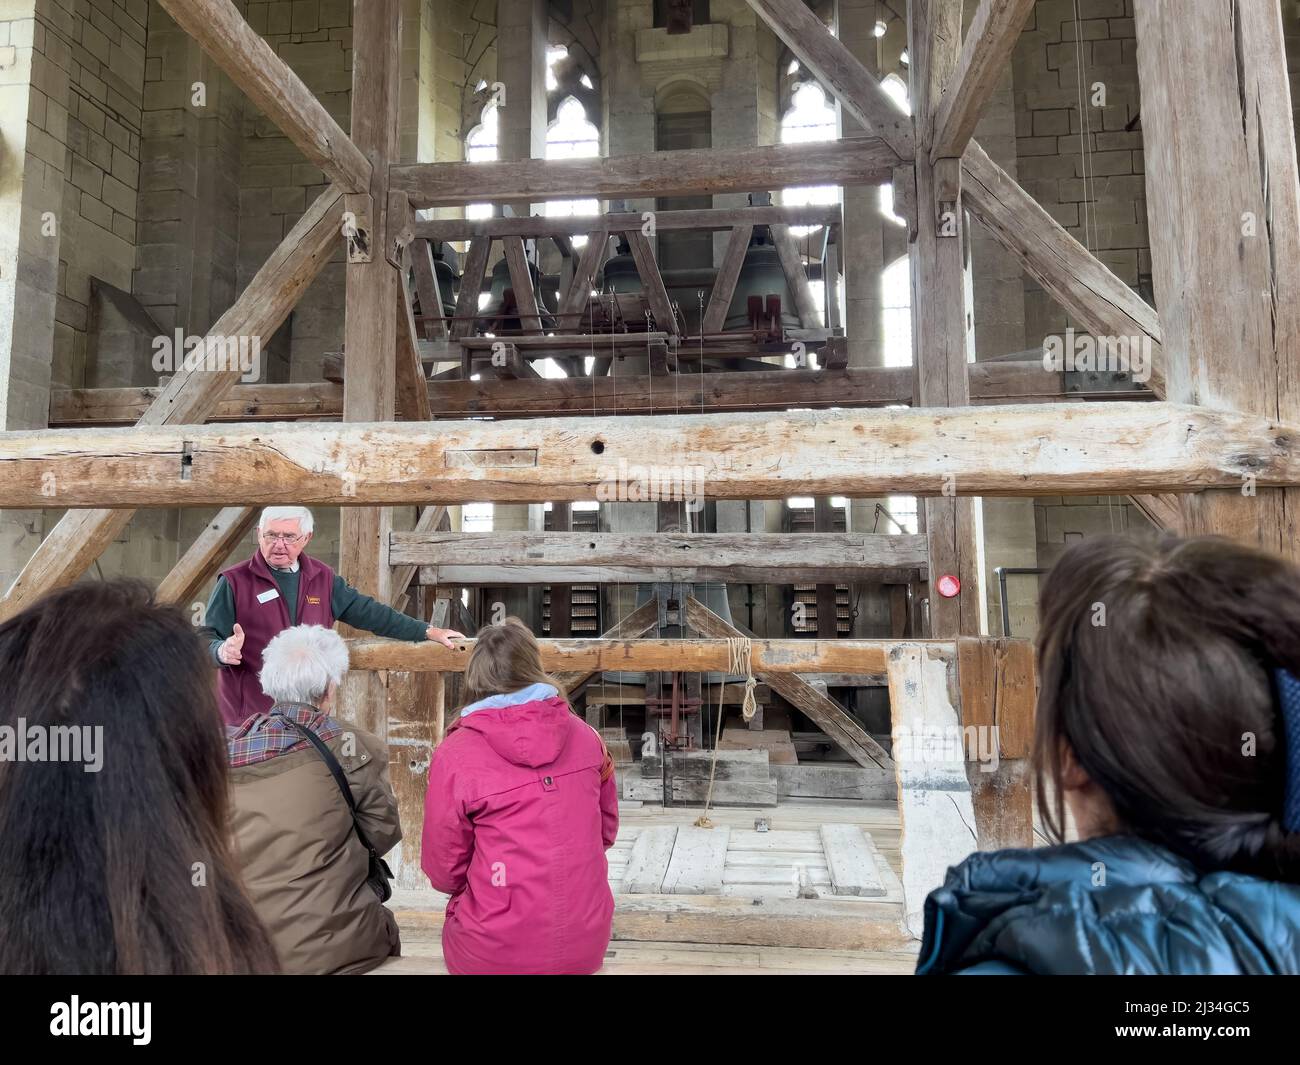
{"points": [[501, 312], [448, 285], [620, 273], [762, 301]]}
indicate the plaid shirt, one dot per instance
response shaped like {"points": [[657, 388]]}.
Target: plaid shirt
{"points": [[266, 736]]}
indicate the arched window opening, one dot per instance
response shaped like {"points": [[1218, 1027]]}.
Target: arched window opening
{"points": [[811, 118], [572, 136], [896, 88], [481, 147]]}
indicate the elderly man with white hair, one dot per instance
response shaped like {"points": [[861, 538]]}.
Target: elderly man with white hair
{"points": [[280, 586], [304, 848]]}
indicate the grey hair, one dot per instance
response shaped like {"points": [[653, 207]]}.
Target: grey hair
{"points": [[300, 514], [300, 664]]}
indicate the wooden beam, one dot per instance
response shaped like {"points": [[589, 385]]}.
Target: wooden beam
{"points": [[1103, 304], [576, 297], [934, 798], [411, 389], [838, 69], [633, 626], [521, 281], [859, 161], [796, 277], [1063, 449], [985, 59], [776, 389], [652, 282], [79, 538], [471, 285], [369, 385], [998, 692], [940, 340], [273, 88], [370, 326], [777, 658], [431, 520], [825, 712], [538, 226], [426, 286], [1223, 203], [724, 288], [579, 558], [561, 594], [210, 549]]}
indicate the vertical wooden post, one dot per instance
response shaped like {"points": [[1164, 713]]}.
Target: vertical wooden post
{"points": [[561, 594], [369, 383], [939, 335], [414, 707], [996, 677], [934, 796], [1223, 203], [827, 611]]}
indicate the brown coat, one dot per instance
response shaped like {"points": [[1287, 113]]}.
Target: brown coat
{"points": [[303, 865]]}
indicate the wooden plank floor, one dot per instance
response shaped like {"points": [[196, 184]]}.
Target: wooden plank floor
{"points": [[812, 932]]}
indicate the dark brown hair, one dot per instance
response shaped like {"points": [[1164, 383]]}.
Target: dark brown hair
{"points": [[505, 658], [1154, 660], [128, 869]]}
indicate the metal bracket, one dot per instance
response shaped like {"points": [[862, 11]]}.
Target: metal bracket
{"points": [[359, 226]]}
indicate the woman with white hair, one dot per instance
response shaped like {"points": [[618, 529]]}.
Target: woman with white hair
{"points": [[313, 812]]}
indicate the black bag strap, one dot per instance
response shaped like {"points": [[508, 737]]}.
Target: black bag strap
{"points": [[336, 771]]}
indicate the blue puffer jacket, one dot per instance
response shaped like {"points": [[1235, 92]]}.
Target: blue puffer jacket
{"points": [[1038, 911]]}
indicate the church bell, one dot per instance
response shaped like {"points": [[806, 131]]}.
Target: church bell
{"points": [[762, 301]]}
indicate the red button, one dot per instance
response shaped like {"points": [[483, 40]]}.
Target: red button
{"points": [[948, 586]]}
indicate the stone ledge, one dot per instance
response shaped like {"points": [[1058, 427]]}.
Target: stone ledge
{"points": [[703, 42]]}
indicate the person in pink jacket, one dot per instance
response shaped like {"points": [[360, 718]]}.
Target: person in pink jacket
{"points": [[521, 807]]}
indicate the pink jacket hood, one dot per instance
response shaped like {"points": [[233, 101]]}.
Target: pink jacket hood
{"points": [[530, 734]]}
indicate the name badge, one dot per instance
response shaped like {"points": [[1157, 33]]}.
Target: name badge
{"points": [[313, 600], [266, 597]]}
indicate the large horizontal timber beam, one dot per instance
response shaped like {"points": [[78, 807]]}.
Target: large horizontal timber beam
{"points": [[189, 397], [861, 161], [1061, 449], [539, 226], [786, 658], [877, 386], [455, 559], [277, 91]]}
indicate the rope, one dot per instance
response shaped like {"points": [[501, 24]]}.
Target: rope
{"points": [[740, 660]]}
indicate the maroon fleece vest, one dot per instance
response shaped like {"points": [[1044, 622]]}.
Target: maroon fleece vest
{"points": [[239, 689]]}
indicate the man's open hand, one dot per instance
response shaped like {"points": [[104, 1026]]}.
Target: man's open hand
{"points": [[443, 636], [231, 652]]}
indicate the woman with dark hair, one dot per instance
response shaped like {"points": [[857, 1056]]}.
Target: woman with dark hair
{"points": [[1168, 725], [114, 836]]}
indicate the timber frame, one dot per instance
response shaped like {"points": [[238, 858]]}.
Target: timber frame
{"points": [[969, 428]]}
